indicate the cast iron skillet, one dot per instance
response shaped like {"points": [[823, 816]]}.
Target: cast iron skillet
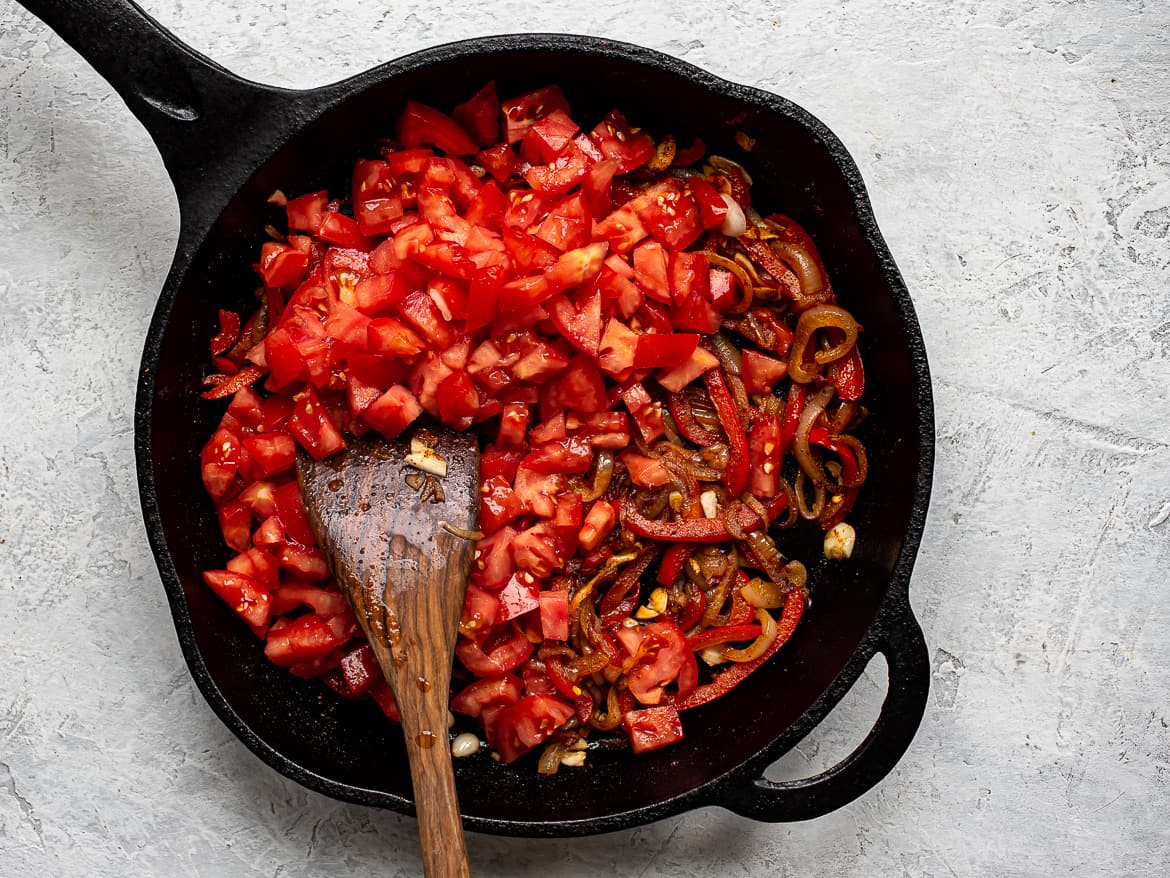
{"points": [[229, 143]]}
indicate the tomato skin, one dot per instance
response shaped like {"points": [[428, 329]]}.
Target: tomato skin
{"points": [[305, 213], [480, 115], [420, 124], [520, 113], [500, 690], [652, 728]]}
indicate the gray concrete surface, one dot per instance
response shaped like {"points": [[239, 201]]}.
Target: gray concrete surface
{"points": [[1018, 157]]}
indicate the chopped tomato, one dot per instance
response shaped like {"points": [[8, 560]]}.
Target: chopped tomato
{"points": [[652, 728], [420, 124], [521, 726]]}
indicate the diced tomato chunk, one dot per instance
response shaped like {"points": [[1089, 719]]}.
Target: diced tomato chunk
{"points": [[652, 728]]}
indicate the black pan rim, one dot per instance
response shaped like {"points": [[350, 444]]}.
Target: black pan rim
{"points": [[895, 608]]}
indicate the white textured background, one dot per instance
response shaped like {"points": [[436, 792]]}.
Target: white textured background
{"points": [[1018, 158]]}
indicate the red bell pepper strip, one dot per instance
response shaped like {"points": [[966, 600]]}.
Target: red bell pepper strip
{"points": [[849, 471], [697, 530], [684, 419], [558, 673], [797, 394], [246, 377], [735, 476], [229, 332], [672, 563], [849, 376], [737, 673], [723, 634], [622, 597]]}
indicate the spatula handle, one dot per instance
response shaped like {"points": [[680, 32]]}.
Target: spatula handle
{"points": [[424, 722]]}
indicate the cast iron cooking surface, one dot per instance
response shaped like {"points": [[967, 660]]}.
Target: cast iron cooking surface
{"points": [[347, 749]]}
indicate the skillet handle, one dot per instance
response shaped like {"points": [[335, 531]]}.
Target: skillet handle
{"points": [[900, 640], [208, 123]]}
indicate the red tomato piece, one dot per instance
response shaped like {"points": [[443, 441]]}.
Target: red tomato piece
{"points": [[538, 550], [235, 521], [457, 398], [519, 727], [513, 426], [646, 471], [650, 260], [647, 413], [522, 112], [615, 139], [247, 597], [599, 523], [517, 597], [312, 426], [498, 504], [480, 115], [272, 452], [282, 265], [760, 372], [420, 124], [500, 690], [652, 728], [498, 651], [700, 362], [393, 411], [579, 322], [569, 455], [548, 137], [656, 349], [307, 212], [218, 462], [617, 348], [500, 161], [659, 650], [554, 615], [306, 638]]}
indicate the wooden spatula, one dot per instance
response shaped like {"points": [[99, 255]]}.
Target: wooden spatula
{"points": [[393, 519]]}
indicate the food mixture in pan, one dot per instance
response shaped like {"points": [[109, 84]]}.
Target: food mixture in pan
{"points": [[662, 380]]}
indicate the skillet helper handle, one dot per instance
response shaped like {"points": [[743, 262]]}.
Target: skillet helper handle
{"points": [[202, 117], [901, 642]]}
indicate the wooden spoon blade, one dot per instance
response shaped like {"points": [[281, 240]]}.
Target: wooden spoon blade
{"points": [[400, 552]]}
